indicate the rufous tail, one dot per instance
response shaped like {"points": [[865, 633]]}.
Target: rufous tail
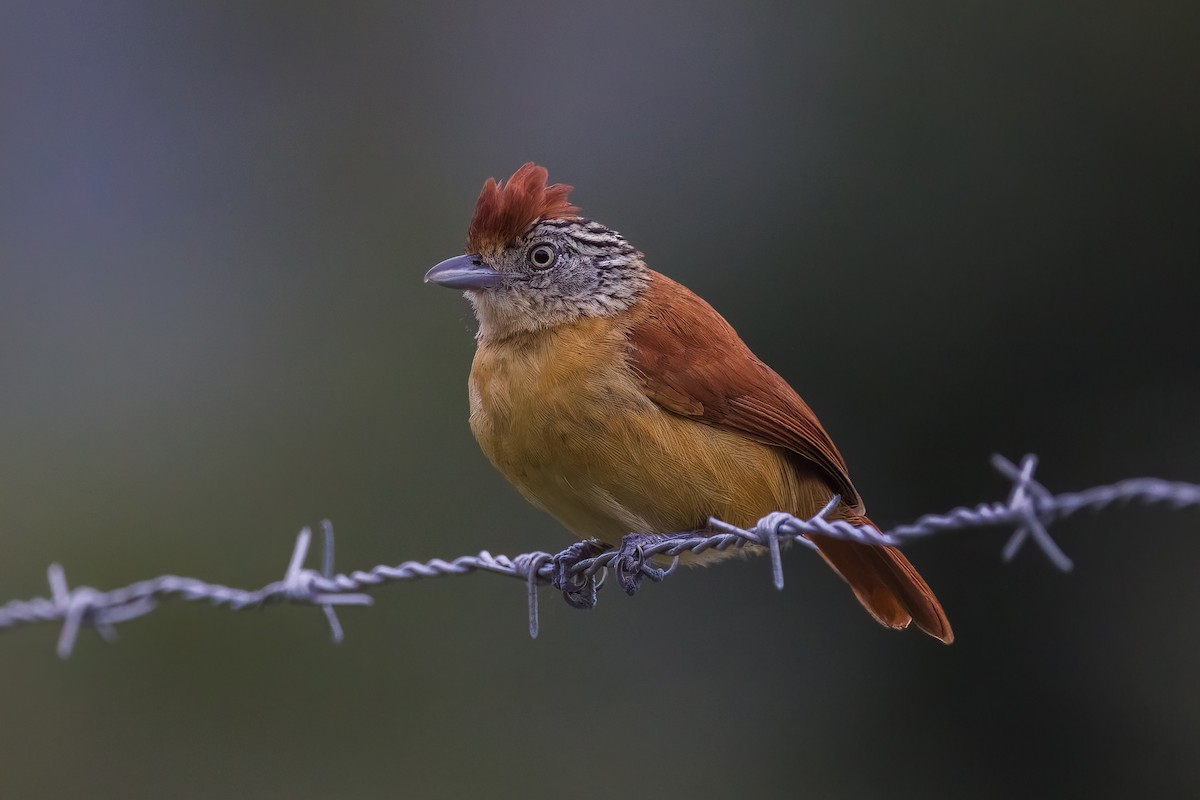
{"points": [[886, 584]]}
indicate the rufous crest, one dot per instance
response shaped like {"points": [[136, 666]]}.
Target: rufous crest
{"points": [[506, 209]]}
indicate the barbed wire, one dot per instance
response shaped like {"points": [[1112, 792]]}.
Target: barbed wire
{"points": [[580, 570]]}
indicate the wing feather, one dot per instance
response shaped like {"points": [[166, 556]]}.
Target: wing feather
{"points": [[689, 360]]}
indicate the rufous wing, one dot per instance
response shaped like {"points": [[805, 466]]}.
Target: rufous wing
{"points": [[690, 361]]}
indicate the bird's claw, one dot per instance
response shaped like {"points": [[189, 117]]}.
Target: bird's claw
{"points": [[632, 564], [578, 589]]}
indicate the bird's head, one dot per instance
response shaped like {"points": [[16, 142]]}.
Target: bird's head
{"points": [[532, 262]]}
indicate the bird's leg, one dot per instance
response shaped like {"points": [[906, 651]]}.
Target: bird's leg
{"points": [[632, 564], [578, 589]]}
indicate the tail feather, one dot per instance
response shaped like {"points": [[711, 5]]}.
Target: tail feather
{"points": [[887, 585]]}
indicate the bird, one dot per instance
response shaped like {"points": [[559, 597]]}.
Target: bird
{"points": [[625, 406]]}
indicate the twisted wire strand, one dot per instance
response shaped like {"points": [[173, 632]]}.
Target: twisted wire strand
{"points": [[1030, 508]]}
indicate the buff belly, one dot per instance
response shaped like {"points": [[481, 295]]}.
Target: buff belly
{"points": [[588, 447]]}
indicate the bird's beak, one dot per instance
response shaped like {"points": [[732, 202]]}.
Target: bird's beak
{"points": [[464, 272]]}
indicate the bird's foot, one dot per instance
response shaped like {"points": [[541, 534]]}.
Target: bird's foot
{"points": [[632, 564], [578, 589]]}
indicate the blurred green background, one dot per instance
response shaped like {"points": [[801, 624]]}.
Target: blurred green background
{"points": [[956, 229]]}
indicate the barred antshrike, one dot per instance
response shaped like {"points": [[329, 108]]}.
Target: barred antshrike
{"points": [[621, 403]]}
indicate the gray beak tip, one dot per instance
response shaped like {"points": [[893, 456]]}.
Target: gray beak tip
{"points": [[464, 272]]}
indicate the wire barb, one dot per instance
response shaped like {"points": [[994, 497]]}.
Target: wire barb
{"points": [[1032, 500], [528, 565], [579, 570]]}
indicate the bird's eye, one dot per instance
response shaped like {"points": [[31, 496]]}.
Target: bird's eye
{"points": [[542, 256]]}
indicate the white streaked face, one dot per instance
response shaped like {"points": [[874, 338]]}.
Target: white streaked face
{"points": [[558, 271]]}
